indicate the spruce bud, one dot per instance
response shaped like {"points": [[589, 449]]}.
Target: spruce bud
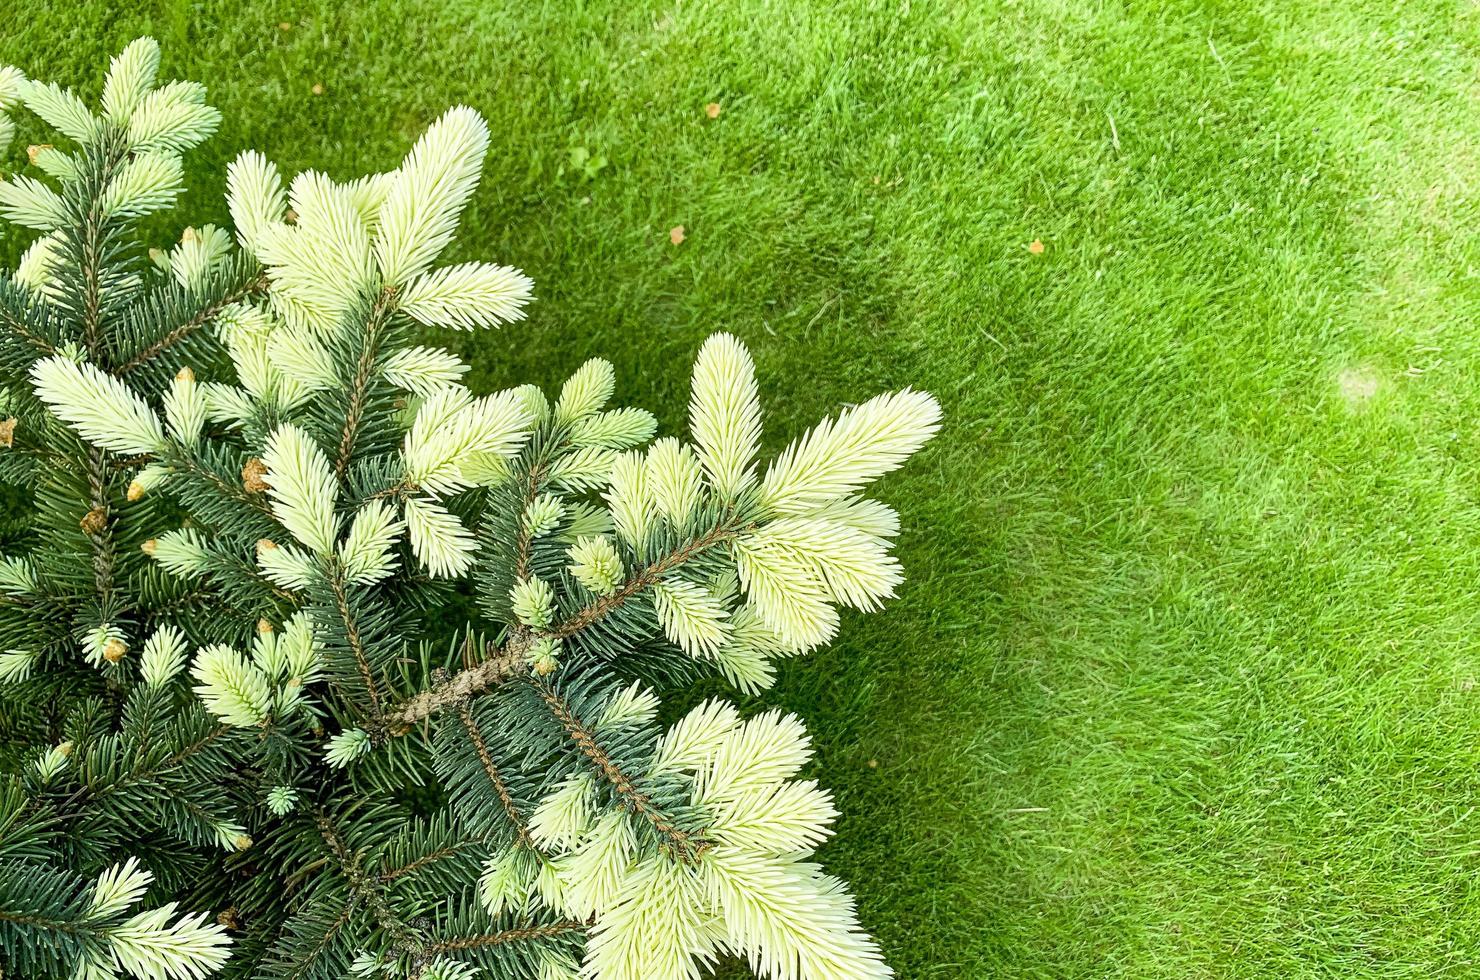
{"points": [[94, 521], [252, 476]]}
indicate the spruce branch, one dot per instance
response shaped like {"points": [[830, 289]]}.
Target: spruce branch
{"points": [[533, 482], [684, 846], [646, 577], [198, 321], [133, 766], [356, 642], [507, 662], [424, 861], [506, 800], [137, 776], [100, 533], [18, 317], [376, 324], [89, 235], [366, 888], [189, 464]]}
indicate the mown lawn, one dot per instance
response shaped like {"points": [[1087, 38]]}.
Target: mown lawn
{"points": [[1183, 683]]}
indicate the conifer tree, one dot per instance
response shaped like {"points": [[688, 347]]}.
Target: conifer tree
{"points": [[446, 617]]}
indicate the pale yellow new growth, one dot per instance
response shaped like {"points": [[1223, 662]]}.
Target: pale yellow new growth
{"points": [[839, 456], [725, 413], [428, 193], [98, 406], [302, 488]]}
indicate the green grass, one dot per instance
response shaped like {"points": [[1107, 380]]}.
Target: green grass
{"points": [[1183, 682]]}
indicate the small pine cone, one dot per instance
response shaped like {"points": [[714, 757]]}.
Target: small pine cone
{"points": [[252, 476], [185, 374], [94, 521], [114, 650], [135, 491], [241, 842], [34, 151], [291, 217], [230, 918], [7, 433], [148, 546], [264, 627]]}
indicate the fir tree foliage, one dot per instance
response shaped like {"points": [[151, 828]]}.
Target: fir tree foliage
{"points": [[409, 785], [121, 799]]}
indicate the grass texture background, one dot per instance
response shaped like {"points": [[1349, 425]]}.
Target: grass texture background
{"points": [[1183, 680]]}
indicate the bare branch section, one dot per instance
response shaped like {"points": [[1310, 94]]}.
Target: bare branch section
{"points": [[503, 664]]}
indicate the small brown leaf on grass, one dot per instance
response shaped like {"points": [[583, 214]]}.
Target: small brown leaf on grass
{"points": [[675, 235], [712, 110], [1036, 246]]}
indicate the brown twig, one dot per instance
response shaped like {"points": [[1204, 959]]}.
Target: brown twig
{"points": [[503, 664]]}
